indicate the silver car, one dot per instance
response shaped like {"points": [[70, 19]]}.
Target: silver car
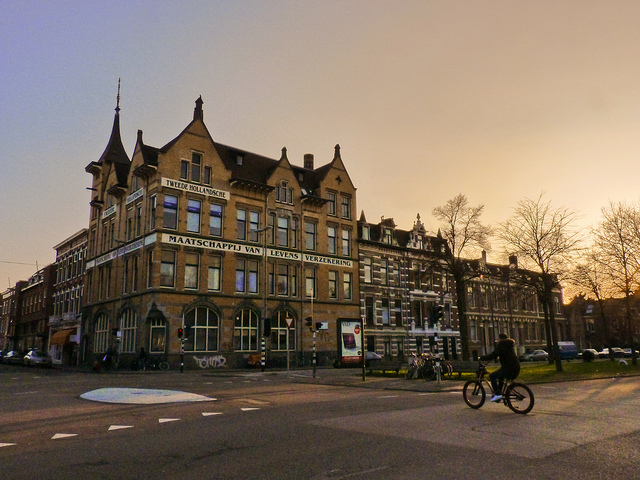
{"points": [[38, 358]]}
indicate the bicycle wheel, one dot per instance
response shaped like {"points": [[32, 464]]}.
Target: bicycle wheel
{"points": [[409, 373], [164, 365], [519, 398], [474, 394]]}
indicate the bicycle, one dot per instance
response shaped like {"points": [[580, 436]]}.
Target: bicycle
{"points": [[149, 364], [515, 395]]}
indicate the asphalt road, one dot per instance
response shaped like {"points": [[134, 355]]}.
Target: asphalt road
{"points": [[274, 426]]}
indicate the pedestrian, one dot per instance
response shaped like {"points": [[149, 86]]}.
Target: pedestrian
{"points": [[142, 358]]}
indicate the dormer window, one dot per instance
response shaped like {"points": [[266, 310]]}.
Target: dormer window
{"points": [[388, 236], [284, 194], [366, 232]]}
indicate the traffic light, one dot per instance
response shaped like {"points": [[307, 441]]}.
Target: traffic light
{"points": [[180, 332], [267, 327], [309, 321], [438, 312]]}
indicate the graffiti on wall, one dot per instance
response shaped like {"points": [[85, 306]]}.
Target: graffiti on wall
{"points": [[215, 361]]}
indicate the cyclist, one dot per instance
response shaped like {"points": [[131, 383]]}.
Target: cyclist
{"points": [[509, 364]]}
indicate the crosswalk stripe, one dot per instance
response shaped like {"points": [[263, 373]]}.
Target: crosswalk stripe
{"points": [[119, 427], [165, 420]]}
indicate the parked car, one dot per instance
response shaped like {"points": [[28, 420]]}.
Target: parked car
{"points": [[38, 358], [534, 355], [568, 350], [371, 357], [617, 352], [14, 357], [589, 352], [627, 353]]}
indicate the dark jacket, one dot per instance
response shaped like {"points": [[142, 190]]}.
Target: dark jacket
{"points": [[506, 352]]}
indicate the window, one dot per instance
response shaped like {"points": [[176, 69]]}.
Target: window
{"points": [[128, 322], [347, 286], [215, 274], [332, 246], [284, 194], [310, 235], [196, 163], [331, 203], [149, 268], [368, 310], [283, 232], [193, 216], [333, 284], [279, 332], [366, 233], [310, 283], [245, 334], [184, 169], [294, 233], [387, 236], [205, 327], [138, 220], [168, 268], [215, 220], [101, 335], [240, 275], [385, 311], [192, 261], [157, 335], [254, 226], [241, 224], [152, 212], [170, 219], [253, 276], [366, 262], [346, 243], [398, 311], [383, 272], [346, 207], [283, 279], [207, 175]]}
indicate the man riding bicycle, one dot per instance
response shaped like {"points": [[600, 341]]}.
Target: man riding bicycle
{"points": [[509, 364]]}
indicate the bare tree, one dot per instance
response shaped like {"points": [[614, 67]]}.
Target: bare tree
{"points": [[464, 234], [545, 239], [618, 245]]}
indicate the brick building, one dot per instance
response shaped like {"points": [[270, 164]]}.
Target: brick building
{"points": [[406, 299], [215, 239], [65, 323]]}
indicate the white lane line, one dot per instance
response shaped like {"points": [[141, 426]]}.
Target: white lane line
{"points": [[166, 420], [249, 409], [119, 427], [7, 444], [388, 396], [208, 414], [58, 436]]}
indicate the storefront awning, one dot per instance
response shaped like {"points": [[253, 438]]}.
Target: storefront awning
{"points": [[61, 337]]}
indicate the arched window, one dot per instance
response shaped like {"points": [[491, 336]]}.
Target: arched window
{"points": [[204, 334], [157, 335], [245, 334], [101, 335], [128, 324], [279, 332]]}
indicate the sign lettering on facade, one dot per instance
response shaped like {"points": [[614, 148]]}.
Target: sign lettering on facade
{"points": [[194, 188]]}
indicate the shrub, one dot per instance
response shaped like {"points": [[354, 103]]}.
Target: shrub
{"points": [[588, 356]]}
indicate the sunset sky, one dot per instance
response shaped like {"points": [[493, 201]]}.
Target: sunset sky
{"points": [[498, 100]]}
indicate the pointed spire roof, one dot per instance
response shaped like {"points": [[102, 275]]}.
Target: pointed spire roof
{"points": [[115, 153]]}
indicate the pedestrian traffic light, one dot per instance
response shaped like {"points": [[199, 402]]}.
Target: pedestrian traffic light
{"points": [[180, 332]]}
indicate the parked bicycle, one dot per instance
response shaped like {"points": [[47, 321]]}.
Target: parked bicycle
{"points": [[515, 395], [150, 363]]}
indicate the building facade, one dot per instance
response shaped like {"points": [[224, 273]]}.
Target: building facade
{"points": [[65, 323], [500, 299], [238, 251], [406, 298], [35, 301]]}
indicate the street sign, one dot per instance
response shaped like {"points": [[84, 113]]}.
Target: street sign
{"points": [[289, 321]]}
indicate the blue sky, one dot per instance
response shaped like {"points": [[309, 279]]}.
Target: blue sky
{"points": [[499, 100]]}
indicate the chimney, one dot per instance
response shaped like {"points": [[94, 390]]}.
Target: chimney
{"points": [[308, 161], [513, 260]]}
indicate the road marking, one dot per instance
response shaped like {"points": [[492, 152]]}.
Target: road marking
{"points": [[119, 427], [58, 436], [208, 414], [7, 444], [166, 420], [248, 409], [389, 396]]}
